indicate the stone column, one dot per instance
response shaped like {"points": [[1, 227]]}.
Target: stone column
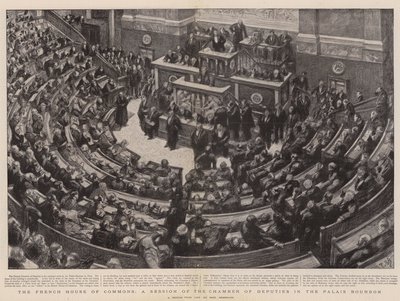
{"points": [[88, 14], [237, 91], [277, 97], [156, 78], [308, 37], [111, 27]]}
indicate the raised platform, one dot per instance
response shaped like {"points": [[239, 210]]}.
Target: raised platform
{"points": [[168, 72]]}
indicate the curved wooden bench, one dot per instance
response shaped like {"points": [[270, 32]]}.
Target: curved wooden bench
{"points": [[249, 259], [382, 260], [227, 218], [306, 261], [382, 199], [348, 242], [333, 141], [354, 152]]}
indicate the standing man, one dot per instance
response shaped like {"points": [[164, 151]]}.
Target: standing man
{"points": [[121, 112], [191, 46], [152, 123], [284, 41], [320, 91], [143, 111], [234, 120], [199, 140], [239, 32], [247, 120], [218, 41], [280, 119], [266, 125], [173, 127], [272, 40]]}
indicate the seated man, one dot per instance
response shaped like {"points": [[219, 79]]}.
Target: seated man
{"points": [[334, 178], [365, 184], [256, 237], [119, 151], [181, 241], [206, 160], [164, 169], [223, 172], [211, 237], [229, 202], [103, 236], [212, 206], [197, 173], [171, 57]]}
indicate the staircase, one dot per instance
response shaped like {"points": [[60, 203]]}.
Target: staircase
{"points": [[74, 34]]}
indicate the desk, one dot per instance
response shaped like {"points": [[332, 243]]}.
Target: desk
{"points": [[247, 87], [188, 127], [263, 53], [199, 98], [165, 72]]}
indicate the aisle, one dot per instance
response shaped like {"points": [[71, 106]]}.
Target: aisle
{"points": [[153, 150]]}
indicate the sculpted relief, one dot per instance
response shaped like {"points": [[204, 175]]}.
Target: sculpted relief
{"points": [[288, 17]]}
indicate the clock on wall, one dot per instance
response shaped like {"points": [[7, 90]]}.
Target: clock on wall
{"points": [[256, 98], [146, 39], [338, 67]]}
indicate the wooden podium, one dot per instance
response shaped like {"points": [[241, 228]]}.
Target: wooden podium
{"points": [[219, 63], [198, 99]]}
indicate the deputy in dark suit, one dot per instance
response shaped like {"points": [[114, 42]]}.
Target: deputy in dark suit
{"points": [[221, 117], [272, 40], [218, 41], [191, 46], [247, 120], [121, 111], [173, 127], [320, 91], [234, 120], [152, 123], [266, 125], [284, 40], [171, 57], [239, 32], [143, 111], [199, 140], [220, 140], [280, 119]]}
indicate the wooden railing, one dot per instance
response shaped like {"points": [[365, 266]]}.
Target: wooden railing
{"points": [[63, 26]]}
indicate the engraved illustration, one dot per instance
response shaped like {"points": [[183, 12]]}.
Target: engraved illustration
{"points": [[200, 138]]}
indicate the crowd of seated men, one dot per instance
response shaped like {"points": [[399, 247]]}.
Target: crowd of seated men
{"points": [[107, 221], [73, 19], [183, 56], [29, 250], [35, 171], [292, 159], [367, 246], [275, 75]]}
